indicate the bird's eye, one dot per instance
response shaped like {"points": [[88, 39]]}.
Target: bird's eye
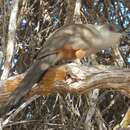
{"points": [[111, 28]]}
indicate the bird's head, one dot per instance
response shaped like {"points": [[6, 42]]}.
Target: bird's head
{"points": [[110, 33]]}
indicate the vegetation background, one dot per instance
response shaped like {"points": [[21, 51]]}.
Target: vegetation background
{"points": [[26, 25]]}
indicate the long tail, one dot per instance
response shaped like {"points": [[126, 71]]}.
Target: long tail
{"points": [[44, 87], [39, 68]]}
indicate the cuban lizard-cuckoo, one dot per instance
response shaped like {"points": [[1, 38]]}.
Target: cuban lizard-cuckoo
{"points": [[68, 42]]}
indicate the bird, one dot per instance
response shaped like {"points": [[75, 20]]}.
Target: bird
{"points": [[69, 42]]}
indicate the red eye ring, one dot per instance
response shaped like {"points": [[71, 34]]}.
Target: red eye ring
{"points": [[111, 28]]}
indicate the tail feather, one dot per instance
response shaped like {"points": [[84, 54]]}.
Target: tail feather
{"points": [[44, 87], [29, 80], [39, 68]]}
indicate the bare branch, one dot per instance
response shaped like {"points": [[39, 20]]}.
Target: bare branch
{"points": [[81, 80], [18, 110], [70, 11], [11, 39], [77, 18]]}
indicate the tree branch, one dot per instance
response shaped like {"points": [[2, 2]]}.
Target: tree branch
{"points": [[73, 78], [11, 40]]}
